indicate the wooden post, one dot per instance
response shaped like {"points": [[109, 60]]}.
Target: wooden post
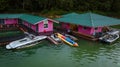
{"points": [[7, 26], [17, 25], [1, 26]]}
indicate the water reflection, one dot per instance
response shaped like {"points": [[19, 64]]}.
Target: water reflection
{"points": [[16, 53], [27, 52]]}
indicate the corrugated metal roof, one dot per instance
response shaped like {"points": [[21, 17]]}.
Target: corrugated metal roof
{"points": [[26, 17], [2, 16], [31, 18], [88, 19], [71, 15]]}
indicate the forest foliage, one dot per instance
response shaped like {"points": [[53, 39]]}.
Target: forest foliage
{"points": [[60, 5]]}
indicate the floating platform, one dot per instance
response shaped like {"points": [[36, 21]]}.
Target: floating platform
{"points": [[52, 40], [4, 43], [67, 40], [85, 36]]}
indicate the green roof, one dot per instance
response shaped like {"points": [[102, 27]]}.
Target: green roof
{"points": [[88, 19], [71, 15], [31, 18], [3, 16], [26, 17]]}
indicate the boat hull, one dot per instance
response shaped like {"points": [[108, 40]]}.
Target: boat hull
{"points": [[24, 41], [109, 40]]}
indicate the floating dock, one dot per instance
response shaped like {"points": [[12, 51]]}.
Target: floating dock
{"points": [[4, 43], [88, 37], [52, 40], [23, 29]]}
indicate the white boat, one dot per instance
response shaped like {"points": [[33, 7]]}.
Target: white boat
{"points": [[25, 41], [110, 37], [54, 36], [113, 32]]}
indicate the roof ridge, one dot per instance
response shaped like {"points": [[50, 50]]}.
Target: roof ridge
{"points": [[91, 19], [24, 16]]}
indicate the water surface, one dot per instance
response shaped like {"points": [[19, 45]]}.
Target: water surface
{"points": [[45, 54]]}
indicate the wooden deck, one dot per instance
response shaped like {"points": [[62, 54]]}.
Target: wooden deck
{"points": [[85, 36], [5, 40], [78, 34], [4, 43], [52, 40]]}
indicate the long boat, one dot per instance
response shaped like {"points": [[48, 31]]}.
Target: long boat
{"points": [[67, 40], [24, 42]]}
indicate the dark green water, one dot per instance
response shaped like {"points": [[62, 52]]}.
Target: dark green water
{"points": [[88, 54]]}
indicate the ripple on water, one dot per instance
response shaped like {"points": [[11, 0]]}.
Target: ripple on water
{"points": [[86, 55]]}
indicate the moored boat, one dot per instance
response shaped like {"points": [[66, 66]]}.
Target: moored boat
{"points": [[54, 36], [70, 36], [110, 37], [25, 41], [67, 40]]}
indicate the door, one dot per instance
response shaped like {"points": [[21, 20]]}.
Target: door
{"points": [[73, 27], [36, 27], [1, 21], [20, 21]]}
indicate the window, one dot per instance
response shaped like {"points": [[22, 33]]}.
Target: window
{"points": [[45, 23], [1, 21], [29, 25], [37, 28], [24, 40], [84, 28], [96, 28], [20, 21]]}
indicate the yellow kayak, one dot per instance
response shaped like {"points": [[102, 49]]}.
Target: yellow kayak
{"points": [[67, 40]]}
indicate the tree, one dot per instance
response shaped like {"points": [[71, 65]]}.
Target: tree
{"points": [[115, 6], [3, 5]]}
